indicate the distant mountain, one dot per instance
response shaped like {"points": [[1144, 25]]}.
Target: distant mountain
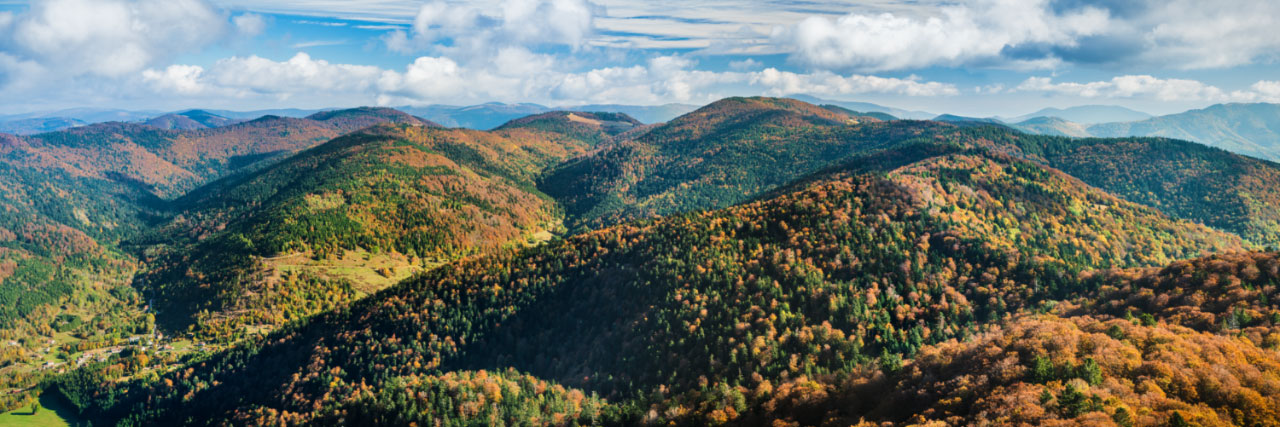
{"points": [[868, 107], [39, 125], [875, 115], [358, 118], [1249, 129], [190, 119], [491, 115], [253, 114], [90, 115], [1087, 114], [481, 117], [951, 118], [1052, 126], [591, 128], [645, 114]]}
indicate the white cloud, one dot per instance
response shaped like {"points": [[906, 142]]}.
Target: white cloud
{"points": [[181, 79], [962, 33], [780, 83], [477, 30], [250, 24], [1153, 88], [515, 75], [1199, 34], [1267, 89], [109, 37], [300, 74]]}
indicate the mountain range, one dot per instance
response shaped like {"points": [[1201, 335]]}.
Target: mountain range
{"points": [[753, 261]]}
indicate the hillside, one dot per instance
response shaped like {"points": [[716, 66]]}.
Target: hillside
{"points": [[321, 228], [593, 128], [1192, 341], [173, 162], [684, 313], [74, 204], [492, 115], [1183, 179], [719, 155]]}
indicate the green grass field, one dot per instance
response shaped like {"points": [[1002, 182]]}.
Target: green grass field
{"points": [[51, 412]]}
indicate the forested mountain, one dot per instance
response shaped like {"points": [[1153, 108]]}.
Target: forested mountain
{"points": [[719, 155], [848, 270], [756, 261], [190, 119], [320, 228], [1183, 179], [74, 204], [491, 115]]}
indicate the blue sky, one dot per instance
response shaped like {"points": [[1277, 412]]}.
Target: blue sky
{"points": [[979, 57]]}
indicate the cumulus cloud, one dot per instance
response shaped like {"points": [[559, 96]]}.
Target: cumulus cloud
{"points": [[109, 37], [516, 75], [980, 30], [1028, 34], [471, 29], [182, 79], [1149, 87]]}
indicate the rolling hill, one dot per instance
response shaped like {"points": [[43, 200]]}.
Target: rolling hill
{"points": [[1183, 179], [356, 214], [74, 204], [689, 318], [756, 261], [719, 155]]}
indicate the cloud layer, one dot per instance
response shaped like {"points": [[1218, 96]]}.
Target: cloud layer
{"points": [[1179, 34], [442, 80]]}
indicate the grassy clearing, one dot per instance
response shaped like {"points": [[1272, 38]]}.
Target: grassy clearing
{"points": [[50, 412]]}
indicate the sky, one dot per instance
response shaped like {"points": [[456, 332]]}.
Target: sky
{"points": [[971, 57]]}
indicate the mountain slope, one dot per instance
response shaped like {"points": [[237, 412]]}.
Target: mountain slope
{"points": [[173, 162], [1183, 179], [867, 107], [721, 154], [1249, 129], [678, 312], [593, 128], [401, 197]]}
